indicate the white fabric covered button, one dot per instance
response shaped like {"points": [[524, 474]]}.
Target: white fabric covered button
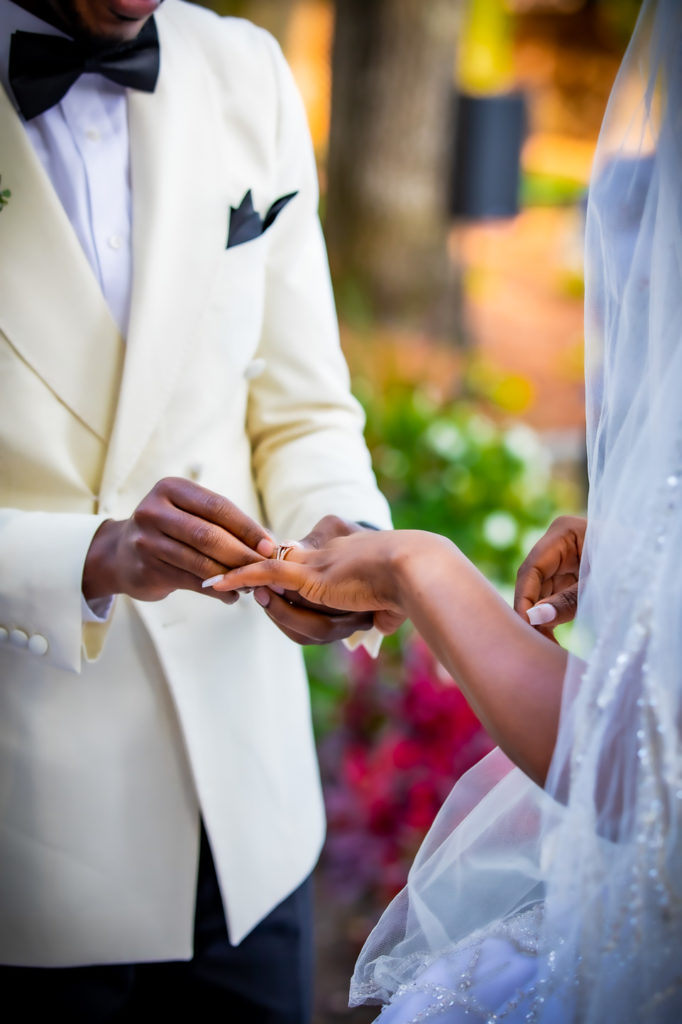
{"points": [[4, 635], [38, 645], [18, 638], [254, 369]]}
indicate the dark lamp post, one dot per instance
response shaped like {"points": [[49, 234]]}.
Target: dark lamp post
{"points": [[490, 118]]}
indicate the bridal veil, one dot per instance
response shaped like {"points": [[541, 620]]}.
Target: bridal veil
{"points": [[584, 878]]}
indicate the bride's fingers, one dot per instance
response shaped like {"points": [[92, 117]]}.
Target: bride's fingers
{"points": [[269, 573]]}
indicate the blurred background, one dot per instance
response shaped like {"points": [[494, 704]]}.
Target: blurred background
{"points": [[454, 141]]}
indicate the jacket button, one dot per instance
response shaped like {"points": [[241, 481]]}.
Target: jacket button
{"points": [[38, 645], [18, 638], [254, 368]]}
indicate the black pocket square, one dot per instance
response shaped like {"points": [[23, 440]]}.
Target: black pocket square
{"points": [[246, 223]]}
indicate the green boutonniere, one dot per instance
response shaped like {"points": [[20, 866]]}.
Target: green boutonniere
{"points": [[4, 196]]}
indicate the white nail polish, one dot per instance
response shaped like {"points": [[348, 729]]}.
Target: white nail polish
{"points": [[541, 614], [213, 579]]}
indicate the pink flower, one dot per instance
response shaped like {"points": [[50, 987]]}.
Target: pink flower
{"points": [[389, 766]]}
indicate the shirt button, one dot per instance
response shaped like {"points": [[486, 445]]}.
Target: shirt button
{"points": [[114, 241], [92, 134], [37, 644], [18, 638]]}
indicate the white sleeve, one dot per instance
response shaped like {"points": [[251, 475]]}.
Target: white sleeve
{"points": [[41, 569], [306, 428]]}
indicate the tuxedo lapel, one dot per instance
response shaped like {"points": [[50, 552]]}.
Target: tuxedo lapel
{"points": [[179, 229], [51, 306]]}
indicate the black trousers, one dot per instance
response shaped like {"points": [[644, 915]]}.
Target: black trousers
{"points": [[267, 979]]}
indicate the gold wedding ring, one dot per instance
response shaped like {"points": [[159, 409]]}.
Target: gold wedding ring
{"points": [[282, 550]]}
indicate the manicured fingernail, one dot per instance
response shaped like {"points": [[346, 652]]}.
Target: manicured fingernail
{"points": [[265, 547], [213, 579], [245, 590], [275, 589], [262, 596], [541, 614]]}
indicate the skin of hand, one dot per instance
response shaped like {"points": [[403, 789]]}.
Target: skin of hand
{"points": [[306, 621], [547, 580], [511, 675], [178, 535]]}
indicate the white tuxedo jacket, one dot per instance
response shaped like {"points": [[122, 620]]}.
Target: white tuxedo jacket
{"points": [[114, 737]]}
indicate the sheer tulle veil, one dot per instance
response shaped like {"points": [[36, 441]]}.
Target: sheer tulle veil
{"points": [[585, 877]]}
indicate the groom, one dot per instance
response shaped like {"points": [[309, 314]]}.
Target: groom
{"points": [[167, 336]]}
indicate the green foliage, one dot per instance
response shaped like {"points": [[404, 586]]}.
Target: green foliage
{"points": [[451, 468]]}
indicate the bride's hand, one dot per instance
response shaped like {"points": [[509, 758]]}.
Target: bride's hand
{"points": [[353, 573], [546, 591]]}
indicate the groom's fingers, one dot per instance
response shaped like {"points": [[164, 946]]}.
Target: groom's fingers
{"points": [[217, 509], [206, 520], [209, 533], [307, 626], [178, 535]]}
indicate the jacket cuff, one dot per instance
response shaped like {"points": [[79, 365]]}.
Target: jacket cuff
{"points": [[41, 563]]}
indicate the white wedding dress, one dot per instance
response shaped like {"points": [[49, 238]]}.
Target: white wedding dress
{"points": [[503, 970], [564, 905]]}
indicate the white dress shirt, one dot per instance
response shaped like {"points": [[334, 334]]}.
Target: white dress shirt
{"points": [[83, 145]]}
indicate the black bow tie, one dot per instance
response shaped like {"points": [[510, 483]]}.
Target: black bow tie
{"points": [[43, 68]]}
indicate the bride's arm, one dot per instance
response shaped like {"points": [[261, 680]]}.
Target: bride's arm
{"points": [[510, 674]]}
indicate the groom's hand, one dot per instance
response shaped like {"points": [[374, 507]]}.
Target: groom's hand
{"points": [[179, 534], [307, 623]]}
